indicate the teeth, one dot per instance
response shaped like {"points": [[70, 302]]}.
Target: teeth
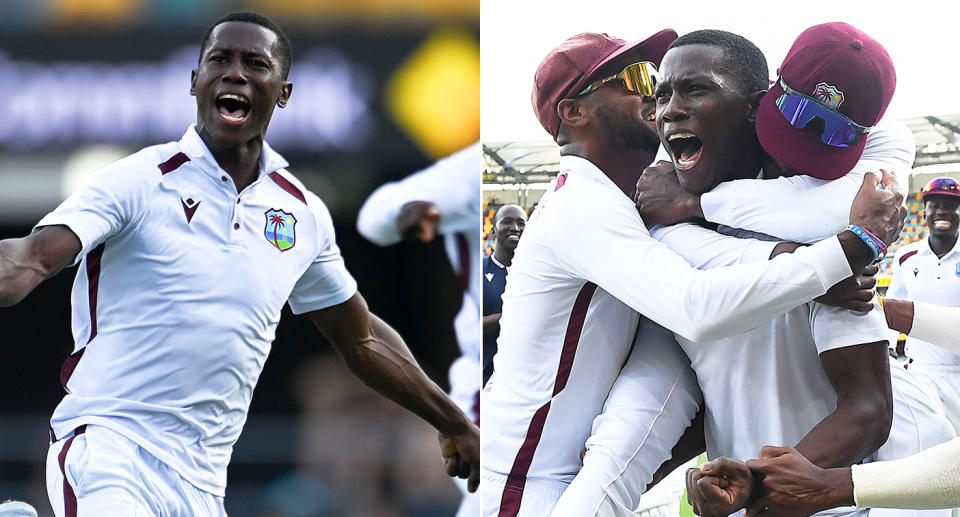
{"points": [[238, 98], [675, 136], [685, 163]]}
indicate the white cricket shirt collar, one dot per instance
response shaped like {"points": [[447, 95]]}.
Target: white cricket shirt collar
{"points": [[585, 168], [926, 248], [196, 149]]}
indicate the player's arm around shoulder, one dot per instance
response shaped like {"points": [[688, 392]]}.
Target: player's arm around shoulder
{"points": [[27, 261], [377, 355]]}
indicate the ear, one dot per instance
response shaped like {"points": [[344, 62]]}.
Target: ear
{"points": [[286, 89], [754, 99], [572, 113], [193, 82]]}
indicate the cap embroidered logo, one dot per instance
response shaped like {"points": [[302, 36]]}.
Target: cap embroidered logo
{"points": [[829, 95]]}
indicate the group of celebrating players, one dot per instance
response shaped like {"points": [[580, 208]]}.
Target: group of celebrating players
{"points": [[719, 300]]}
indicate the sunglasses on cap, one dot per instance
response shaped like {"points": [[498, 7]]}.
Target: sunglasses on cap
{"points": [[637, 77], [799, 110], [946, 186]]}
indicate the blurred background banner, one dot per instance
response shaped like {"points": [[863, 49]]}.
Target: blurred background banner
{"points": [[381, 89]]}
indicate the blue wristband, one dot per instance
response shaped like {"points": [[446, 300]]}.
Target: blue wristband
{"points": [[876, 246]]}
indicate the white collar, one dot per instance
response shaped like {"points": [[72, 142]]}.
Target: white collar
{"points": [[585, 168], [198, 152], [493, 258]]}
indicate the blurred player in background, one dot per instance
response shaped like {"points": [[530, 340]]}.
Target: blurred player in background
{"points": [[928, 271], [508, 224], [188, 251], [442, 199]]}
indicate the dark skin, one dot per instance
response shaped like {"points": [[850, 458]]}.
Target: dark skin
{"points": [[699, 96], [583, 132], [508, 225], [241, 59], [942, 215], [791, 485]]}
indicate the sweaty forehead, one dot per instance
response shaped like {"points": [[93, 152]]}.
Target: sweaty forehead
{"points": [[245, 37], [696, 61]]}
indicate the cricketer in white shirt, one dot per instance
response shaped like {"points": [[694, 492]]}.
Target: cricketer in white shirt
{"points": [[583, 271], [781, 356], [452, 185], [919, 275], [179, 293]]}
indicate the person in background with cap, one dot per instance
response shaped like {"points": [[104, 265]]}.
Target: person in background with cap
{"points": [[588, 266], [928, 271], [508, 224]]}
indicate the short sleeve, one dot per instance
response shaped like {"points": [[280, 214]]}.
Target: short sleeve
{"points": [[106, 203], [833, 327], [326, 282]]}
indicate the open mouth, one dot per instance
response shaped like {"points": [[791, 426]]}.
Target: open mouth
{"points": [[942, 224], [686, 149], [232, 107]]}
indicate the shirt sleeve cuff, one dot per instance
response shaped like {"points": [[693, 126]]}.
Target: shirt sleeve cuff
{"points": [[828, 259], [88, 239]]}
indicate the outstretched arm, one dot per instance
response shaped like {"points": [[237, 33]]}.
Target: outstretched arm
{"points": [[27, 261], [377, 355]]}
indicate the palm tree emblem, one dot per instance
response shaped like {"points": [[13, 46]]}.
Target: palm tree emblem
{"points": [[280, 229], [277, 222]]}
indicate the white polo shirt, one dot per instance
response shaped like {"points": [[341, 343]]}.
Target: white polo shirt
{"points": [[584, 268], [178, 295], [919, 275]]}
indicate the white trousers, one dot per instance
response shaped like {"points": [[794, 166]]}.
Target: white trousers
{"points": [[95, 472]]}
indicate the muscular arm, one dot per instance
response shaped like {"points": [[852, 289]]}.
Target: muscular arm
{"points": [[377, 355], [27, 261], [860, 424]]}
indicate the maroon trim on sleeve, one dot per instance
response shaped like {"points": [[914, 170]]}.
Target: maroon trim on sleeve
{"points": [[517, 479], [463, 252], [69, 497], [173, 163], [289, 187], [907, 255], [66, 371]]}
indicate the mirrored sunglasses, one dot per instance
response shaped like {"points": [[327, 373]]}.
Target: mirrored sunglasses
{"points": [[799, 110], [637, 77]]}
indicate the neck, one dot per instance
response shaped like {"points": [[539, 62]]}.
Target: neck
{"points": [[622, 167], [942, 244], [503, 255], [242, 162]]}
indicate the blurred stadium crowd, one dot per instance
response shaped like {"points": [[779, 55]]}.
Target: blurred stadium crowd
{"points": [[85, 82]]}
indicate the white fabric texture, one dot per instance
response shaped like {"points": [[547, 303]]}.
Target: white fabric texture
{"points": [[174, 311], [929, 479]]}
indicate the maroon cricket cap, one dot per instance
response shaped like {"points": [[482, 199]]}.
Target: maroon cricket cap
{"points": [[569, 68], [845, 63], [940, 187]]}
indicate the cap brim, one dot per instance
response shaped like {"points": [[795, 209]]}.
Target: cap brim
{"points": [[944, 193], [651, 49], [801, 149]]}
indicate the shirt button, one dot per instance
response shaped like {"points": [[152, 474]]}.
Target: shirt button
{"points": [[223, 178], [236, 226]]}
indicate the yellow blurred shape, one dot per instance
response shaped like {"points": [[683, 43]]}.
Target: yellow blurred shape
{"points": [[102, 11], [435, 94]]}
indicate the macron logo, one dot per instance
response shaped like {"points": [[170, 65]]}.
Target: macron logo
{"points": [[189, 207]]}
